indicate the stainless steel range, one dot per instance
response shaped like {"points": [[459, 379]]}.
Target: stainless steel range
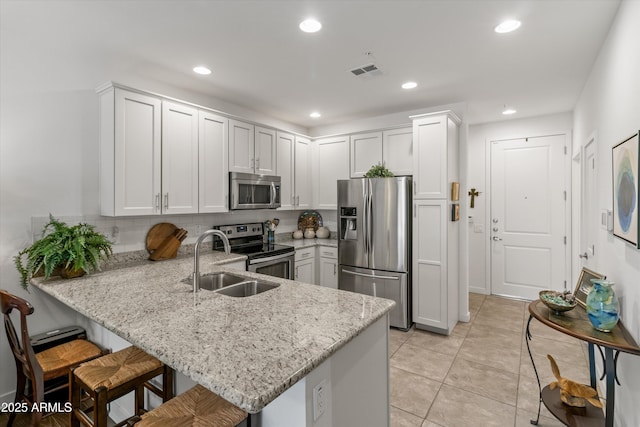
{"points": [[265, 258]]}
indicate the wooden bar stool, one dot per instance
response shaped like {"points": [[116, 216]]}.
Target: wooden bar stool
{"points": [[196, 407], [112, 376], [36, 368]]}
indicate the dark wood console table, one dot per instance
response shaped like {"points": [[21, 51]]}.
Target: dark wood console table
{"points": [[576, 324]]}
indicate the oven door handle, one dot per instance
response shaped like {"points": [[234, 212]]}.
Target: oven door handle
{"points": [[271, 258]]}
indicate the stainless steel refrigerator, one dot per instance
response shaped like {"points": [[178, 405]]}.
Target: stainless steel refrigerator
{"points": [[374, 245]]}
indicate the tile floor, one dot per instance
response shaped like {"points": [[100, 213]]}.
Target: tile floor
{"points": [[481, 374]]}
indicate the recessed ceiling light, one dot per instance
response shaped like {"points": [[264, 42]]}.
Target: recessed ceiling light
{"points": [[409, 85], [315, 115], [310, 25], [508, 111], [202, 70], [508, 26]]}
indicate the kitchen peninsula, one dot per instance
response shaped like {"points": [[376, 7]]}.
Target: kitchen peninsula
{"points": [[265, 353]]}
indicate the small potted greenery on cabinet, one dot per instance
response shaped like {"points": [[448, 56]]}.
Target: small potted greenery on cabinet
{"points": [[69, 251], [378, 171]]}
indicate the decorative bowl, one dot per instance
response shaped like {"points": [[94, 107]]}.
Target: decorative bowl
{"points": [[558, 301]]}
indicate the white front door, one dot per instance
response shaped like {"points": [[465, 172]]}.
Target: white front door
{"points": [[528, 216]]}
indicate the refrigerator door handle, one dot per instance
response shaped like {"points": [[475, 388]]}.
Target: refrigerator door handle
{"points": [[369, 221], [371, 276]]}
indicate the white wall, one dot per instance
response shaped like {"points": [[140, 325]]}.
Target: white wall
{"points": [[609, 106], [478, 166]]}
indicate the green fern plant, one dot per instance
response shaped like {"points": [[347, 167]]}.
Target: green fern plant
{"points": [[78, 247], [378, 171]]}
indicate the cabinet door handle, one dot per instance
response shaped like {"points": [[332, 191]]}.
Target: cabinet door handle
{"points": [[257, 163], [335, 267], [166, 201], [158, 202], [296, 272]]}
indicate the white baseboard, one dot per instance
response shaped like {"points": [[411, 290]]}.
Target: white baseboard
{"points": [[8, 397]]}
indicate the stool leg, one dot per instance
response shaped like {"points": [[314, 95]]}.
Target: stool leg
{"points": [[167, 383], [100, 405], [139, 400], [74, 398]]}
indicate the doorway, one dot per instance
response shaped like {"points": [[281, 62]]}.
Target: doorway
{"points": [[529, 215], [588, 212]]}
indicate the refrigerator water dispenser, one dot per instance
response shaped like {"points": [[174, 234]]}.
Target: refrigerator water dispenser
{"points": [[348, 224]]}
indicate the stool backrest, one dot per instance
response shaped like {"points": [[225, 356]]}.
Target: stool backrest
{"points": [[20, 344]]}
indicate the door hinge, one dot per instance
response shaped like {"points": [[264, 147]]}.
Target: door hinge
{"points": [[565, 240]]}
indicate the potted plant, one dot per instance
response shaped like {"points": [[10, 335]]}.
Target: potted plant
{"points": [[71, 251], [378, 171]]}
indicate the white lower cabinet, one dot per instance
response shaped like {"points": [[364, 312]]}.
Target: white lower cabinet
{"points": [[328, 266], [305, 268], [435, 267]]}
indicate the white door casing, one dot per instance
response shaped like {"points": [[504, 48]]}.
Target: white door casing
{"points": [[528, 218]]}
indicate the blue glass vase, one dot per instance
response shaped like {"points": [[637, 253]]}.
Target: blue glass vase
{"points": [[602, 305]]}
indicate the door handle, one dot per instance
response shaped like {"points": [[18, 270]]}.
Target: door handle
{"points": [[371, 276], [584, 255], [496, 238]]}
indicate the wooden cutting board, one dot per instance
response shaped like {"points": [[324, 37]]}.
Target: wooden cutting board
{"points": [[158, 233]]}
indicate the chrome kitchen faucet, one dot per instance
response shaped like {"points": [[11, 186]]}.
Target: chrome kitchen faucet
{"points": [[196, 254]]}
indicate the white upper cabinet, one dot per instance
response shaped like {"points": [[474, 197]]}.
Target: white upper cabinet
{"points": [[435, 139], [333, 165], [179, 158], [241, 147], [366, 151], [302, 173], [397, 150], [391, 148], [130, 157], [285, 143], [252, 149], [265, 151], [213, 167]]}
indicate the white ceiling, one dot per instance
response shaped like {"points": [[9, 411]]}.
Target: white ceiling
{"points": [[261, 60]]}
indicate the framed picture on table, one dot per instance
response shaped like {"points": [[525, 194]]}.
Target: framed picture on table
{"points": [[625, 190], [584, 285]]}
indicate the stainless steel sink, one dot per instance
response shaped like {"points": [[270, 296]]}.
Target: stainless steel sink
{"points": [[232, 285], [247, 288], [213, 281]]}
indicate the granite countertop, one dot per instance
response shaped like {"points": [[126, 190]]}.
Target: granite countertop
{"points": [[247, 350]]}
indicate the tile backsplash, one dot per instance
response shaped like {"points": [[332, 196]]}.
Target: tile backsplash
{"points": [[129, 233]]}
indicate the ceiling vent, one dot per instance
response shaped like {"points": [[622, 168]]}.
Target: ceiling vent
{"points": [[366, 71]]}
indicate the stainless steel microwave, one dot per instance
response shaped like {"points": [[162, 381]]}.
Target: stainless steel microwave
{"points": [[249, 191]]}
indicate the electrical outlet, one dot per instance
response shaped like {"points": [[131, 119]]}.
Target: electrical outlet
{"points": [[319, 399], [115, 235]]}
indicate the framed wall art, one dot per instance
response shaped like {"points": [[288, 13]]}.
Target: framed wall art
{"points": [[625, 190], [584, 285]]}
